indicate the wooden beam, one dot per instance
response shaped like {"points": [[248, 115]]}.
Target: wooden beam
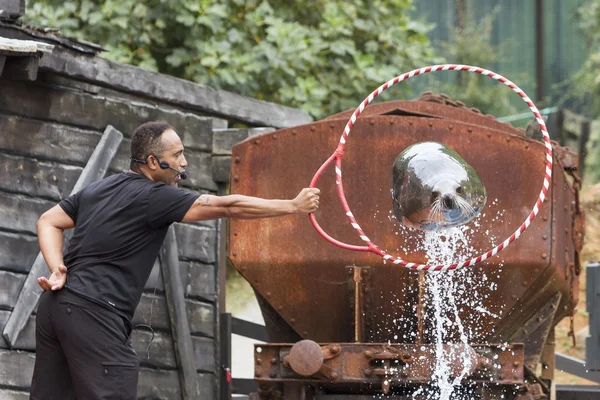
{"points": [[184, 348], [21, 68], [30, 293], [172, 90]]}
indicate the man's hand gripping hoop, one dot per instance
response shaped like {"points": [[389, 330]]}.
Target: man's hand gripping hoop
{"points": [[339, 152]]}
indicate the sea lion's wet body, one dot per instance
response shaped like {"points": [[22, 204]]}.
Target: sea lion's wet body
{"points": [[433, 187]]}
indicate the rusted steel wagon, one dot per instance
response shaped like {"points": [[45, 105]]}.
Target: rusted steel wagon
{"points": [[332, 314]]}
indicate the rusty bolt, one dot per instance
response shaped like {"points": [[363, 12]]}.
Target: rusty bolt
{"points": [[258, 361], [273, 361], [256, 141], [334, 376], [294, 132], [372, 122], [369, 353], [236, 178], [368, 372], [335, 349], [469, 130], [274, 137], [237, 160], [450, 127], [508, 139], [545, 218], [544, 256], [332, 125], [545, 237], [313, 128], [489, 135], [431, 124]]}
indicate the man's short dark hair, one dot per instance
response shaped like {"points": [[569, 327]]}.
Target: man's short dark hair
{"points": [[146, 141]]}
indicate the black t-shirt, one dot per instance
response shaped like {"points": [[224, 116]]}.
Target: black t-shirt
{"points": [[120, 225]]}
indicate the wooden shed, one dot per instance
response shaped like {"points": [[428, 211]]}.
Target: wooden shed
{"points": [[66, 116]]}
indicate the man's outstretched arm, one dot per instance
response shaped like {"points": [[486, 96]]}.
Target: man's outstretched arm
{"points": [[50, 229], [245, 207]]}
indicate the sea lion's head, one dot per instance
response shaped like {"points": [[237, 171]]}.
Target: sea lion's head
{"points": [[433, 187]]}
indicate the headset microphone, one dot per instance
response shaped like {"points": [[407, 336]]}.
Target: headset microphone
{"points": [[165, 165]]}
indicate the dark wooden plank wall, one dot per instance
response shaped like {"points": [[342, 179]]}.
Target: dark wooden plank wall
{"points": [[48, 130]]}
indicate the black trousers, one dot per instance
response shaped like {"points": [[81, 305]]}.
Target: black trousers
{"points": [[83, 351]]}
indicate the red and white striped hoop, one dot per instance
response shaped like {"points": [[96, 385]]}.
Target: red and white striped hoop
{"points": [[338, 154]]}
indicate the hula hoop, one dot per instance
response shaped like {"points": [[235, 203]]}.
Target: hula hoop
{"points": [[339, 152]]}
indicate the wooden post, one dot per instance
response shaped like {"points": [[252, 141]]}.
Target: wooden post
{"points": [[182, 340], [94, 170]]}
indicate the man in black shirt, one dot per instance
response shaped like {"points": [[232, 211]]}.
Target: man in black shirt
{"points": [[83, 348]]}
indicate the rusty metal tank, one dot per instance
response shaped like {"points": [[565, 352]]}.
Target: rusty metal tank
{"points": [[312, 293]]}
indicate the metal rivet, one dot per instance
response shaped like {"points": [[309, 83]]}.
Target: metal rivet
{"points": [[268, 294], [237, 160], [334, 375], [256, 141], [367, 372], [526, 146], [293, 320], [234, 254], [469, 130], [313, 128], [431, 124], [392, 122], [258, 361], [294, 132], [332, 125], [368, 353], [544, 256], [273, 361], [335, 349], [274, 137], [514, 296], [258, 373], [545, 237], [410, 123], [236, 178], [525, 284], [280, 308], [273, 374], [450, 127], [508, 139], [305, 333]]}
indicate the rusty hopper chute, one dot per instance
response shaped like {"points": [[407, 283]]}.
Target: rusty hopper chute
{"points": [[340, 305]]}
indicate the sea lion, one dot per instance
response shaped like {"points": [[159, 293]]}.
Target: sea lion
{"points": [[433, 187]]}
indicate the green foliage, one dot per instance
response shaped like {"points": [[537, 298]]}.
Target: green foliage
{"points": [[585, 90], [323, 56], [471, 44]]}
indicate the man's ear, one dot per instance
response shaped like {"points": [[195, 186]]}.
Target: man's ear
{"points": [[152, 162]]}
